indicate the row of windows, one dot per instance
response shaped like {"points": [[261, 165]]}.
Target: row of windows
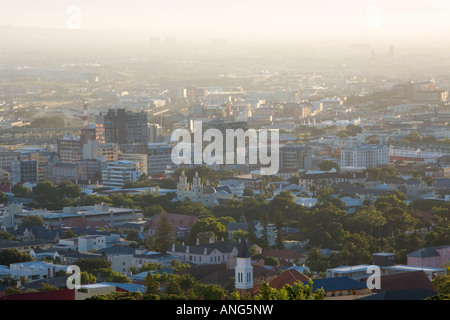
{"points": [[241, 277]]}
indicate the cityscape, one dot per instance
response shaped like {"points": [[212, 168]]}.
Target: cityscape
{"points": [[158, 157]]}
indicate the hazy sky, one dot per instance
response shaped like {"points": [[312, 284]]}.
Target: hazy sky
{"points": [[241, 19]]}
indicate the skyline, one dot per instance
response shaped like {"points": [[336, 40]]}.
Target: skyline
{"points": [[324, 21]]}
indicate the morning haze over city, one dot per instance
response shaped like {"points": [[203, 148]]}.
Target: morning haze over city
{"points": [[228, 151]]}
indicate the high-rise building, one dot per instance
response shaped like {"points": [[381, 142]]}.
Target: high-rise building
{"points": [[154, 133], [159, 158], [123, 127], [24, 171], [292, 156]]}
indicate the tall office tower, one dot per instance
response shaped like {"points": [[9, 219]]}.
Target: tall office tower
{"points": [[292, 156], [24, 171], [88, 133], [124, 127], [154, 133]]}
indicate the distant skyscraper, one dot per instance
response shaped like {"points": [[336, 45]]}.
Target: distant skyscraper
{"points": [[124, 127], [171, 42], [24, 171], [155, 42], [391, 52]]}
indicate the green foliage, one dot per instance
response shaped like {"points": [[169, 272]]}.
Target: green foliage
{"points": [[4, 235], [271, 261], [47, 287], [118, 296], [8, 256], [209, 292], [207, 224], [165, 235], [237, 235], [20, 191], [327, 165], [13, 290], [87, 277], [92, 265], [3, 197], [69, 233], [298, 291], [110, 275], [32, 220], [316, 261]]}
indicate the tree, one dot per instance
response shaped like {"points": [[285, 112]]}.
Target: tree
{"points": [[271, 261], [442, 282], [110, 275], [279, 222], [3, 197], [4, 235], [8, 256], [248, 192], [209, 292], [32, 220], [68, 234], [87, 278], [92, 265], [298, 291], [237, 235], [13, 290], [118, 296], [47, 287], [327, 165], [20, 191], [207, 224], [69, 189], [46, 191], [165, 236], [316, 261]]}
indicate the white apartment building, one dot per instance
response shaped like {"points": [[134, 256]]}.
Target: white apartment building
{"points": [[118, 172], [88, 243], [365, 156]]}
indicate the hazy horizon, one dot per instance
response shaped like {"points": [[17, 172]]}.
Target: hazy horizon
{"points": [[409, 24]]}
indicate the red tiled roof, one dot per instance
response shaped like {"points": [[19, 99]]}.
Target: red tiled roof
{"points": [[287, 277], [63, 294], [404, 281], [79, 222]]}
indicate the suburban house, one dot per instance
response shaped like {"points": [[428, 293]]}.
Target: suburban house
{"points": [[140, 258], [212, 253], [35, 270], [341, 287], [404, 286], [434, 257], [88, 243]]}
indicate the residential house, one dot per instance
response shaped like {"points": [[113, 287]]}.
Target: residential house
{"points": [[341, 288], [434, 257], [35, 270], [88, 243], [212, 253]]}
